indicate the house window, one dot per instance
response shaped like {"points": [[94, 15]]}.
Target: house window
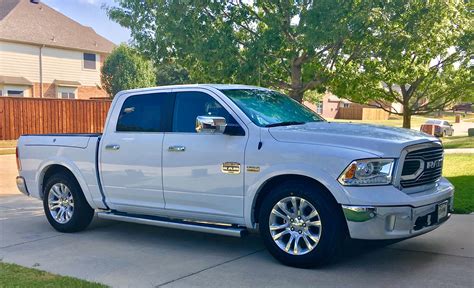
{"points": [[319, 107], [68, 95], [89, 61], [14, 92], [67, 92], [345, 105]]}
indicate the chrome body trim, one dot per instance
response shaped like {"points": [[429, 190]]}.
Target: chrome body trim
{"points": [[397, 174], [21, 184], [190, 226], [210, 124]]}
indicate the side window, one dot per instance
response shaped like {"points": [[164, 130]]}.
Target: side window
{"points": [[189, 105], [146, 113]]}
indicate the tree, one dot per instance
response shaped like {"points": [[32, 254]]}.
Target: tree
{"points": [[125, 69], [420, 57], [290, 45], [171, 74]]}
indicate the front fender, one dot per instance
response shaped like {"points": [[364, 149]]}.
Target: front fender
{"points": [[307, 170]]}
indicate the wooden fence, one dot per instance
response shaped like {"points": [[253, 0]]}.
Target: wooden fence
{"points": [[362, 113], [20, 116]]}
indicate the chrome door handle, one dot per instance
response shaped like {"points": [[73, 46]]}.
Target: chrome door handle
{"points": [[112, 147], [176, 149]]}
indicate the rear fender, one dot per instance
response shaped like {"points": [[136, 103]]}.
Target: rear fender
{"points": [[39, 177]]}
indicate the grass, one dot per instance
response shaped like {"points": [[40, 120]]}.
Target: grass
{"points": [[459, 169], [458, 142], [7, 143], [7, 151], [394, 121], [12, 275]]}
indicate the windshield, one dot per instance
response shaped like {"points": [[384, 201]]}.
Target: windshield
{"points": [[268, 108]]}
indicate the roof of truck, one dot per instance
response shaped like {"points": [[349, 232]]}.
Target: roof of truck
{"points": [[215, 86]]}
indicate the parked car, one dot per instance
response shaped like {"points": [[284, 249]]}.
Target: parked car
{"points": [[463, 107], [231, 159], [438, 128]]}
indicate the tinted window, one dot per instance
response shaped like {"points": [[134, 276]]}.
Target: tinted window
{"points": [[89, 61], [146, 113], [189, 105]]}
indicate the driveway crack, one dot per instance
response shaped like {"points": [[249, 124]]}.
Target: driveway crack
{"points": [[210, 267]]}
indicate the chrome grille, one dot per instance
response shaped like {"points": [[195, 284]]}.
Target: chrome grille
{"points": [[421, 167]]}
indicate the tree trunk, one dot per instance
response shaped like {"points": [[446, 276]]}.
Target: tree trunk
{"points": [[297, 95], [406, 117], [296, 91]]}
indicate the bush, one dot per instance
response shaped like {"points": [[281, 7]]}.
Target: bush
{"points": [[470, 132], [125, 69]]}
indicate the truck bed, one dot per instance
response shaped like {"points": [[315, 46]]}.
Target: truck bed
{"points": [[76, 152]]}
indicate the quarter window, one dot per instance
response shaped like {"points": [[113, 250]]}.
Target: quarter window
{"points": [[190, 105], [89, 61], [146, 113]]}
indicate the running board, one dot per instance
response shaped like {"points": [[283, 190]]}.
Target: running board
{"points": [[184, 225]]}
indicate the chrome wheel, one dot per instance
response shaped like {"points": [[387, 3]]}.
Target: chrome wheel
{"points": [[295, 225], [60, 203]]}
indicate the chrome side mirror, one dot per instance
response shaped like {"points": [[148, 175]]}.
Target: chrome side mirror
{"points": [[210, 124]]}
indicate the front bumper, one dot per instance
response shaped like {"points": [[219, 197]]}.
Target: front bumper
{"points": [[393, 222]]}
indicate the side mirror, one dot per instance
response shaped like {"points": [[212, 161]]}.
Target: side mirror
{"points": [[210, 124]]}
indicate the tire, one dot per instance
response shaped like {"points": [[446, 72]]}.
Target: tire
{"points": [[331, 231], [63, 193]]}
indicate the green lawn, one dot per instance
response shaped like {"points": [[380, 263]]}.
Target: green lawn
{"points": [[459, 169], [394, 121], [7, 143], [458, 142], [7, 151], [12, 275]]}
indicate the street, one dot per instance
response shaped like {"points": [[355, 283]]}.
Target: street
{"points": [[129, 255]]}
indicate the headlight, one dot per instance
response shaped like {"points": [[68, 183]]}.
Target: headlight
{"points": [[368, 172]]}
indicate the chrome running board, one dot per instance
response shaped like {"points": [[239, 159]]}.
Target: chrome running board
{"points": [[225, 230]]}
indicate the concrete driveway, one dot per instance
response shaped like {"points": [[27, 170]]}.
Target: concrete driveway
{"points": [[127, 255]]}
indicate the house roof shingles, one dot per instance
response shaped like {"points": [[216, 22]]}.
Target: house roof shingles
{"points": [[23, 21]]}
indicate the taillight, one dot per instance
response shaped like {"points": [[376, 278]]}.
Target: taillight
{"points": [[18, 165]]}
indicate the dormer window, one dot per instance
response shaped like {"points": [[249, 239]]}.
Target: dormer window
{"points": [[89, 61]]}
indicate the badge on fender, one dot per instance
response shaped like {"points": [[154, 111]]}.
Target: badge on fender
{"points": [[230, 168]]}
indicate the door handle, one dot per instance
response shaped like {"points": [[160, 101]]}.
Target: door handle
{"points": [[176, 149], [112, 147]]}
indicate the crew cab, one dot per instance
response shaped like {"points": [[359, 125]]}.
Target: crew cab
{"points": [[232, 159]]}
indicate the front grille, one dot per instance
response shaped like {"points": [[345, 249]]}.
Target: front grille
{"points": [[430, 158]]}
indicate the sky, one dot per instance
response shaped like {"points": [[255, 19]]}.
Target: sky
{"points": [[90, 13]]}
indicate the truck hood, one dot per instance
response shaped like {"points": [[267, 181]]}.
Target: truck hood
{"points": [[381, 141]]}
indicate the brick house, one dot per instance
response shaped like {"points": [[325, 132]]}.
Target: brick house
{"points": [[43, 53], [333, 107], [329, 105]]}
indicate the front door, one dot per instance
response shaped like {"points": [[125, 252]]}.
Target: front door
{"points": [[130, 154], [203, 173]]}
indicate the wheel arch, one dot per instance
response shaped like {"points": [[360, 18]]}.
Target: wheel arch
{"points": [[52, 168], [267, 186]]}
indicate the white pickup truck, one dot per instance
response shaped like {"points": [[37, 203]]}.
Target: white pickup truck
{"points": [[229, 159]]}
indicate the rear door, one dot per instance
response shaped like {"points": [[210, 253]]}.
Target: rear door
{"points": [[193, 176], [131, 150]]}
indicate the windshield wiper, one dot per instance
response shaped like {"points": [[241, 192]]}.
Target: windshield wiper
{"points": [[286, 123]]}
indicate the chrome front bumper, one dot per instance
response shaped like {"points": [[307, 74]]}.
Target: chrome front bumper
{"points": [[21, 184], [393, 222]]}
